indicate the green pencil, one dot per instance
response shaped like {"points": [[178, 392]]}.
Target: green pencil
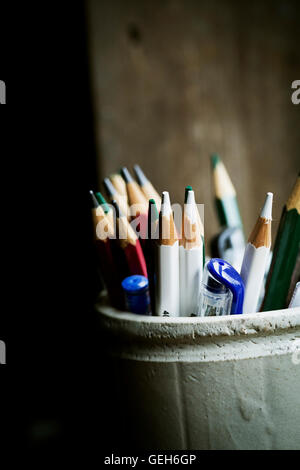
{"points": [[285, 253], [106, 208], [225, 195], [102, 202]]}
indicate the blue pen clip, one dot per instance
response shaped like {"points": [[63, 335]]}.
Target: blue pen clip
{"points": [[229, 277]]}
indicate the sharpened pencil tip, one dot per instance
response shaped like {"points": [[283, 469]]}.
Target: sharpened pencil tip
{"points": [[190, 205], [165, 204], [215, 159], [190, 197], [153, 212], [187, 189], [109, 187], [94, 201], [126, 175], [140, 175], [266, 212]]}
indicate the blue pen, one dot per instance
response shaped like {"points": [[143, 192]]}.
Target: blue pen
{"points": [[229, 277], [222, 290]]}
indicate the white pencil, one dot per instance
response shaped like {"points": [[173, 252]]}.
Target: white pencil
{"points": [[167, 298], [256, 257], [190, 257]]}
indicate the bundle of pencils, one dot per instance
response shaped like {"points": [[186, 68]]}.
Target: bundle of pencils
{"points": [[137, 235], [127, 219]]}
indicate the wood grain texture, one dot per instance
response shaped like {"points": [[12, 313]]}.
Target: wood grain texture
{"points": [[174, 81]]}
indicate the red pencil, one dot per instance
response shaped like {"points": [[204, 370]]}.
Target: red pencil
{"points": [[130, 245]]}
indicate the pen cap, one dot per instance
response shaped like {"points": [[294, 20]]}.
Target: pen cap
{"points": [[215, 298], [136, 289], [224, 273]]}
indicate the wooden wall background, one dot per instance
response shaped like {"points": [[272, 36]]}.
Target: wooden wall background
{"points": [[174, 81]]}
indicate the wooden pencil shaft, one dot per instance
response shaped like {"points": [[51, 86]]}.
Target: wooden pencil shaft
{"points": [[191, 234], [119, 184], [139, 225], [261, 234], [150, 193], [137, 200], [222, 182], [103, 228], [109, 187], [138, 209], [167, 231], [126, 175], [125, 233], [148, 190], [140, 175]]}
